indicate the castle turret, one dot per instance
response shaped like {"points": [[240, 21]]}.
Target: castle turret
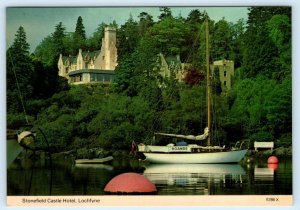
{"points": [[226, 73], [80, 63], [110, 50], [60, 66]]}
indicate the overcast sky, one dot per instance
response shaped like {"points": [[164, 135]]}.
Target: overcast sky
{"points": [[40, 22]]}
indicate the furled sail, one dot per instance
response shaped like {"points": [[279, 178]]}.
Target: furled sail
{"points": [[189, 137]]}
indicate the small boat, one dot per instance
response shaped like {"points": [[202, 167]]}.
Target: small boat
{"points": [[194, 153], [95, 166], [94, 160]]}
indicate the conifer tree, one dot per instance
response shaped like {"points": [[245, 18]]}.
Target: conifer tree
{"points": [[58, 38], [79, 35], [165, 13], [19, 71], [79, 30]]}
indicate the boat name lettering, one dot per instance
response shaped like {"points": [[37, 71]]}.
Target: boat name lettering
{"points": [[179, 148]]}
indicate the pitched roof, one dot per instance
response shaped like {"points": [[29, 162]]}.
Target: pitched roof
{"points": [[90, 55], [71, 59]]}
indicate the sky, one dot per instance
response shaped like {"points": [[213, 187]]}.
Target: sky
{"points": [[39, 22]]}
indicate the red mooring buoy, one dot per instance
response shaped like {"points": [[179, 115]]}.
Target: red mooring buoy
{"points": [[273, 160], [130, 183], [273, 166]]}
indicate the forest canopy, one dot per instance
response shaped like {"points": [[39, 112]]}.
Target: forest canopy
{"points": [[258, 107]]}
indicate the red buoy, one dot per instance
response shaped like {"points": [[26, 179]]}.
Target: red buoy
{"points": [[273, 166], [130, 183], [273, 160]]}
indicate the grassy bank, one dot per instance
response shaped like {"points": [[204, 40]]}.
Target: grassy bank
{"points": [[280, 152]]}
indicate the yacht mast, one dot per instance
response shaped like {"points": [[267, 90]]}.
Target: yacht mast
{"points": [[208, 84]]}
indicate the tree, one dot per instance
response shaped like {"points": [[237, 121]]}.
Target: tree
{"points": [[127, 37], [94, 42], [262, 104], [280, 33], [126, 78], [194, 77], [279, 108], [199, 57], [58, 39], [20, 42], [169, 35], [121, 120], [221, 41], [19, 72], [145, 22], [45, 51], [195, 17], [165, 13], [79, 30], [45, 80], [189, 52], [237, 33], [260, 54], [79, 35], [187, 114], [137, 69]]}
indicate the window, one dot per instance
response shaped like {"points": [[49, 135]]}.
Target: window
{"points": [[101, 77], [225, 73], [76, 78], [225, 83]]}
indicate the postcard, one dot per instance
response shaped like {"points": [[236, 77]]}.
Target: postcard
{"points": [[149, 106]]}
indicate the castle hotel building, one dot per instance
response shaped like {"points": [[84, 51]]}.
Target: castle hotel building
{"points": [[99, 66], [91, 67]]}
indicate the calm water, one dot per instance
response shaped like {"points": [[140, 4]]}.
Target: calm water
{"points": [[27, 178]]}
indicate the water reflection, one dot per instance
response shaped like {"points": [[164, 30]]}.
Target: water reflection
{"points": [[96, 166], [26, 177], [64, 178], [263, 174], [196, 178]]}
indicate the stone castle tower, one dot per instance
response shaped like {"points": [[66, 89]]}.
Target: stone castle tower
{"points": [[110, 48], [226, 73], [108, 54]]}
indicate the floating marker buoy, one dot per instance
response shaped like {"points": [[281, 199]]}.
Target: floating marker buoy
{"points": [[273, 160], [130, 183], [273, 166]]}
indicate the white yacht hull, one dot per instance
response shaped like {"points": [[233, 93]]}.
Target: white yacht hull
{"points": [[233, 156]]}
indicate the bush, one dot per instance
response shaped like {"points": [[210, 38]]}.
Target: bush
{"points": [[285, 140], [59, 132], [261, 136], [17, 120]]}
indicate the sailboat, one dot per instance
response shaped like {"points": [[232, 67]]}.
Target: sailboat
{"points": [[194, 153]]}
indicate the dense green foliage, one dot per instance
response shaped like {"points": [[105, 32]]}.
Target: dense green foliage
{"points": [[258, 107]]}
